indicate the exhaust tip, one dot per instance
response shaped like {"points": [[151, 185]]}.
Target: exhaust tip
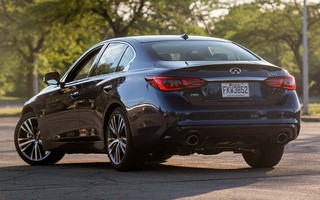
{"points": [[193, 140], [282, 138]]}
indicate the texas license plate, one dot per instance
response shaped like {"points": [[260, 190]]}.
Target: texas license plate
{"points": [[235, 90]]}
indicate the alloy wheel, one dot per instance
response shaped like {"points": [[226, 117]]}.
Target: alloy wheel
{"points": [[29, 141], [117, 138]]}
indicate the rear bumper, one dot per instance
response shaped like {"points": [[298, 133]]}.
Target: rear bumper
{"points": [[224, 135], [226, 126], [184, 140], [227, 134]]}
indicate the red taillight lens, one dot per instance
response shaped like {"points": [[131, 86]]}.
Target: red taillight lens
{"points": [[174, 83], [192, 82], [274, 82], [287, 82]]}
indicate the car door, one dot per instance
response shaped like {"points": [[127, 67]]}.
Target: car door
{"points": [[97, 91], [62, 115]]}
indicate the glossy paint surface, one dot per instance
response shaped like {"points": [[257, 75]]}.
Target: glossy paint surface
{"points": [[73, 115]]}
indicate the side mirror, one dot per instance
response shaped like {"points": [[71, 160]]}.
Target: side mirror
{"points": [[52, 78]]}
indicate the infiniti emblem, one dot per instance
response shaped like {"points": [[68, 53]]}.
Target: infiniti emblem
{"points": [[235, 71]]}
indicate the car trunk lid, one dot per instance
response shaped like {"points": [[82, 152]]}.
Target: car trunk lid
{"points": [[231, 83]]}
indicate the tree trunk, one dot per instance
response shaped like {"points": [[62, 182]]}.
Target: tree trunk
{"points": [[120, 33], [29, 82], [298, 58]]}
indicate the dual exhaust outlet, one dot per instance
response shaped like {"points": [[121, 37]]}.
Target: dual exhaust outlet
{"points": [[282, 138], [193, 140]]}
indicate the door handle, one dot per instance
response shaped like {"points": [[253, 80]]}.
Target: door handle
{"points": [[74, 95], [107, 88]]}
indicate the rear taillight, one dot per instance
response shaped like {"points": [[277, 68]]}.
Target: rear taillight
{"points": [[174, 83], [287, 82]]}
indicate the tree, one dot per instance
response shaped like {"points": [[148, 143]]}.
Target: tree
{"points": [[54, 33], [273, 29], [18, 41], [28, 39], [122, 15], [115, 15]]}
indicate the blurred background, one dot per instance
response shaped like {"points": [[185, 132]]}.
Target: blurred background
{"points": [[40, 36]]}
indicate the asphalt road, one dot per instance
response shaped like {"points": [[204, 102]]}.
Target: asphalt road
{"points": [[224, 176]]}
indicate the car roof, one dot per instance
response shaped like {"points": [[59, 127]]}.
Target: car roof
{"points": [[159, 38]]}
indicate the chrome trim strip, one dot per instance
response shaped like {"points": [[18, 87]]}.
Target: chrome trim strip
{"points": [[238, 78]]}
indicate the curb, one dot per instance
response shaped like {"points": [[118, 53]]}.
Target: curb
{"points": [[310, 119], [13, 115]]}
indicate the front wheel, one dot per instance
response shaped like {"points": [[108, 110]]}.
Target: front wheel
{"points": [[267, 155], [28, 143], [122, 153]]}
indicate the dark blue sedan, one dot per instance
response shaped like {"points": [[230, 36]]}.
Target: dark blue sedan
{"points": [[147, 98]]}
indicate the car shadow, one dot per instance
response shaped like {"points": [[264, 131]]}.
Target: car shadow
{"points": [[100, 180]]}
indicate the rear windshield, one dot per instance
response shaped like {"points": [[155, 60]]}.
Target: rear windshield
{"points": [[198, 50]]}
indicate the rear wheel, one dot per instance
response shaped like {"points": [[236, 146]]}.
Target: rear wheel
{"points": [[28, 143], [122, 153], [267, 155]]}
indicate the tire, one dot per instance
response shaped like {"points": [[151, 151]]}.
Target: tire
{"points": [[122, 153], [159, 157], [267, 155], [28, 143]]}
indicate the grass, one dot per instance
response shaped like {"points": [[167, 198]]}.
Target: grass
{"points": [[9, 111], [314, 109], [10, 106], [4, 98]]}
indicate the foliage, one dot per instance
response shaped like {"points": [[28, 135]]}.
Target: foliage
{"points": [[8, 111], [49, 35], [273, 29], [314, 109]]}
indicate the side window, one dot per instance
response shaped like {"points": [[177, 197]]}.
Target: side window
{"points": [[126, 58], [85, 70], [82, 69], [110, 58]]}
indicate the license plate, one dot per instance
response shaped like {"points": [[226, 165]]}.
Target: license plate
{"points": [[235, 90]]}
